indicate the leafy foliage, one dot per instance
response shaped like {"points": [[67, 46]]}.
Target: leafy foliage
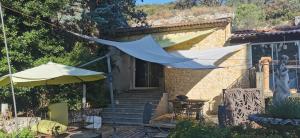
{"points": [[152, 9], [239, 2], [112, 14], [24, 133], [248, 16], [184, 4], [282, 10], [266, 13], [189, 129], [270, 12], [32, 42], [289, 109]]}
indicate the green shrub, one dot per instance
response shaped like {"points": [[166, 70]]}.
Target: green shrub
{"points": [[242, 132], [190, 129], [25, 133], [248, 16], [289, 109]]}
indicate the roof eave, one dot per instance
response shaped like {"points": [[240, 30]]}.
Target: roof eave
{"points": [[177, 27]]}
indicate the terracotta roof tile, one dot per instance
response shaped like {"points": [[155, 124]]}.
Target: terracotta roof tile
{"points": [[259, 35], [273, 31]]}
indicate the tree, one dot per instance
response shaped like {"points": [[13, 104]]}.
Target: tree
{"points": [[185, 4], [239, 2], [112, 14], [33, 42], [282, 9], [248, 16], [212, 2], [275, 11]]}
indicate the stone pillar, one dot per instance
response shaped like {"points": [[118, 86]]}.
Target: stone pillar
{"points": [[265, 62]]}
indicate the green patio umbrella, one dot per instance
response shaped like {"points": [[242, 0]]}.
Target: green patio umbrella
{"points": [[51, 74]]}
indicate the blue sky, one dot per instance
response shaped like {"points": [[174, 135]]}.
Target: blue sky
{"points": [[154, 1]]}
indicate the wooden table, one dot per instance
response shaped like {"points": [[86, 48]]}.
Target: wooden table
{"points": [[188, 107]]}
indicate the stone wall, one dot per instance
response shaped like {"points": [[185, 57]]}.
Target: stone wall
{"points": [[216, 39], [122, 71], [208, 84]]}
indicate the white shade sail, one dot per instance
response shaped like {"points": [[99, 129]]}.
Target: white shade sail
{"points": [[145, 49], [51, 74], [148, 49], [207, 58]]}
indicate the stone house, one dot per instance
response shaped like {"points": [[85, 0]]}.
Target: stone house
{"points": [[135, 74], [137, 81]]}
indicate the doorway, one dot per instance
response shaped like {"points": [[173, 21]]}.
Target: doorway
{"points": [[147, 74]]}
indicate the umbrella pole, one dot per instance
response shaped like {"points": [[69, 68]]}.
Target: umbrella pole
{"points": [[9, 67], [84, 96], [111, 95]]}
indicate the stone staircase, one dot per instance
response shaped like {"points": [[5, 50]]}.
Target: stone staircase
{"points": [[130, 106]]}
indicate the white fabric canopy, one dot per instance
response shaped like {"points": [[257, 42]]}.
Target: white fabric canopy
{"points": [[145, 49], [207, 58], [148, 49], [51, 74]]}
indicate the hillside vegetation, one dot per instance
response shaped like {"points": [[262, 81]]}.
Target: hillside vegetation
{"points": [[251, 14], [167, 14]]}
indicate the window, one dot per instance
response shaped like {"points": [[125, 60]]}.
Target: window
{"points": [[276, 50]]}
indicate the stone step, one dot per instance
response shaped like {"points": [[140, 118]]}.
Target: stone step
{"points": [[120, 114], [108, 113], [139, 95], [122, 123], [134, 102], [124, 110], [139, 92], [136, 99], [130, 106], [137, 102], [144, 91], [136, 106], [119, 120]]}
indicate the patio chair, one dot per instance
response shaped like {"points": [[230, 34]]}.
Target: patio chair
{"points": [[196, 109], [180, 105], [179, 108]]}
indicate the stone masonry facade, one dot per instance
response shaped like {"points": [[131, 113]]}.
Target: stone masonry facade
{"points": [[208, 84], [202, 84]]}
